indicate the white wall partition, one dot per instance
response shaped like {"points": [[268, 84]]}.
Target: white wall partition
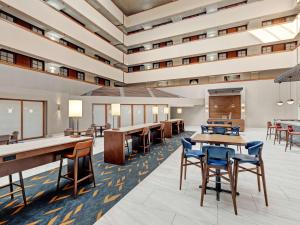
{"points": [[10, 117], [138, 114], [126, 115], [99, 114], [149, 115], [33, 119], [161, 115]]}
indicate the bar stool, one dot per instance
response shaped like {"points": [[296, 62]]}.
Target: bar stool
{"points": [[81, 150], [14, 137], [11, 187], [181, 126], [176, 127], [161, 130], [278, 130], [144, 140], [290, 134], [270, 128]]}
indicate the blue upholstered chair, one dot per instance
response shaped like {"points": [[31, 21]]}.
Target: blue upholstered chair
{"points": [[235, 131], [204, 129], [218, 159], [188, 153], [219, 130], [254, 158]]}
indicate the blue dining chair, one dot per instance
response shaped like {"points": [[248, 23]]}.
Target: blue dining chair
{"points": [[219, 159], [235, 131], [219, 130], [188, 153], [254, 158], [204, 129]]}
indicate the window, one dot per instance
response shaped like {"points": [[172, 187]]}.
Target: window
{"points": [[106, 82], [266, 49], [290, 46], [169, 43], [97, 80], [187, 39], [222, 56], [141, 49], [130, 69], [37, 64], [241, 28], [64, 42], [155, 45], [130, 51], [222, 32], [80, 76], [242, 53], [37, 30], [142, 67], [155, 65], [107, 61], [64, 71], [267, 23], [289, 18], [202, 58], [186, 61], [169, 63], [80, 50], [6, 56], [202, 36], [6, 17]]}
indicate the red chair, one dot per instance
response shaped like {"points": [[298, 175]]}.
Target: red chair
{"points": [[278, 130], [290, 134]]}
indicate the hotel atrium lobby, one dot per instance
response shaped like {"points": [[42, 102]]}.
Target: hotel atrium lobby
{"points": [[149, 112]]}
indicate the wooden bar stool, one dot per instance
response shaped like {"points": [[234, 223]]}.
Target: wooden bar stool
{"points": [[181, 126], [145, 139], [278, 130], [11, 187], [176, 127], [270, 128], [81, 150], [161, 131], [290, 134]]}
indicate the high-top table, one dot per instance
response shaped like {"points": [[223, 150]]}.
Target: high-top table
{"points": [[219, 139], [114, 141], [169, 126], [30, 154]]}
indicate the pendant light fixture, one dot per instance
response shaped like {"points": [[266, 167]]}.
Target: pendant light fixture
{"points": [[290, 101], [279, 102]]}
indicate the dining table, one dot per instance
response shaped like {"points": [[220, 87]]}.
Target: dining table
{"points": [[218, 139]]}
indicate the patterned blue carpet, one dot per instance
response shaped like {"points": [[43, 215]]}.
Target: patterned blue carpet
{"points": [[46, 206]]}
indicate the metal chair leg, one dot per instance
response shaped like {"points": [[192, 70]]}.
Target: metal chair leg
{"points": [[59, 174], [22, 188], [11, 188]]}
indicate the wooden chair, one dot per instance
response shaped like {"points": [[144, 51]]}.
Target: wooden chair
{"points": [[278, 131], [96, 130], [14, 137], [145, 139], [270, 129], [290, 134], [68, 132], [254, 158], [4, 139], [176, 127], [181, 126], [161, 131], [81, 150]]}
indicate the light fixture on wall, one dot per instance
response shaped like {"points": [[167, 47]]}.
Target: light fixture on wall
{"points": [[290, 101], [115, 112], [75, 112], [279, 102], [243, 110], [166, 112], [206, 108], [179, 110], [155, 113]]}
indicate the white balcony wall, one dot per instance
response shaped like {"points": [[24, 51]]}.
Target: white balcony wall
{"points": [[20, 39], [237, 65], [233, 41], [44, 13], [164, 11], [220, 18], [110, 7], [87, 11]]}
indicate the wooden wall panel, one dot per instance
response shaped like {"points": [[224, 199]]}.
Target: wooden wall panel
{"points": [[194, 60], [232, 30], [23, 60], [73, 74], [278, 47], [221, 106], [232, 54]]}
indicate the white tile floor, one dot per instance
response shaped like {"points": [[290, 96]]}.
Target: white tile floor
{"points": [[157, 199]]}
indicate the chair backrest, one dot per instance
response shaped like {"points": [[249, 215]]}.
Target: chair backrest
{"points": [[204, 129], [145, 131], [162, 126], [186, 145], [84, 148], [254, 148], [68, 132], [107, 125], [218, 152], [14, 136], [219, 122], [235, 131], [90, 132], [269, 123], [278, 125], [290, 128], [219, 130], [4, 139]]}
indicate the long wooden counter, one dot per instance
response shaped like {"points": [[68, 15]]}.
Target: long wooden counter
{"points": [[169, 126], [235, 122], [30, 154], [114, 142]]}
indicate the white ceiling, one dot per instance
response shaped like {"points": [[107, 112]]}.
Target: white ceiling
{"points": [[130, 7], [15, 78]]}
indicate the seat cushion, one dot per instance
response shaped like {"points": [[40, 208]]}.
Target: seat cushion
{"points": [[218, 162], [194, 153], [243, 158]]}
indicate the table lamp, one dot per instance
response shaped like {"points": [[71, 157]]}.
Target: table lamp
{"points": [[75, 112], [115, 112], [179, 110], [155, 113], [166, 112]]}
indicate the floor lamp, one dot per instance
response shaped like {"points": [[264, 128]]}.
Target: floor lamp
{"points": [[155, 113], [75, 112], [115, 112]]}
